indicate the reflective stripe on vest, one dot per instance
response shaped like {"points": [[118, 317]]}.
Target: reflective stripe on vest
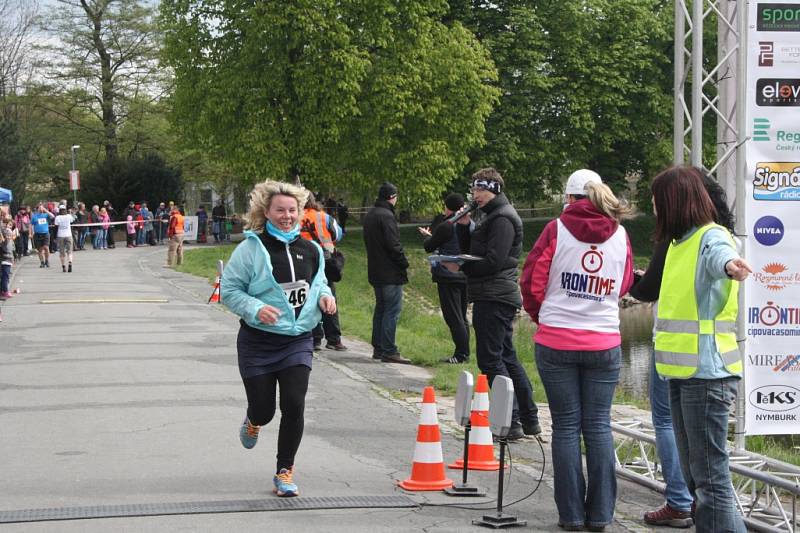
{"points": [[678, 327]]}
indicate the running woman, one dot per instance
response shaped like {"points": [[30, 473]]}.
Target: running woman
{"points": [[275, 281]]}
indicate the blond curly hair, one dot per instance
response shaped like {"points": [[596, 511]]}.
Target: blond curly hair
{"points": [[603, 198], [261, 198]]}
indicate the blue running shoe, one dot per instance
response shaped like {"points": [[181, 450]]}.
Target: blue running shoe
{"points": [[248, 433], [284, 486]]}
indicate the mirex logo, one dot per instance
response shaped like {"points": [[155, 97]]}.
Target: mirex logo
{"points": [[760, 129], [778, 92], [775, 398], [778, 17]]}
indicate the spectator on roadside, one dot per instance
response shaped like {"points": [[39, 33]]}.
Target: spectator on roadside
{"points": [[63, 224], [112, 217], [275, 343], [81, 217], [342, 212], [202, 224], [142, 230], [387, 267], [699, 286], [101, 238], [139, 219], [53, 210], [452, 286], [6, 254], [175, 234], [149, 233], [130, 232], [41, 234], [330, 206], [161, 222], [23, 224], [94, 219], [318, 226], [577, 342], [218, 220]]}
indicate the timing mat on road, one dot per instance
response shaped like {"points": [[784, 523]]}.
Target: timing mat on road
{"points": [[212, 507]]}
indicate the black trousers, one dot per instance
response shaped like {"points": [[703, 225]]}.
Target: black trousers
{"points": [[329, 328], [261, 397], [453, 301], [494, 347]]}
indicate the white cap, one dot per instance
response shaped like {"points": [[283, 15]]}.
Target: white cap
{"points": [[576, 184], [62, 206]]}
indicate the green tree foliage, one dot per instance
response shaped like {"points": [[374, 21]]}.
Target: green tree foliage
{"points": [[105, 60], [342, 94], [13, 158], [141, 178], [585, 83]]}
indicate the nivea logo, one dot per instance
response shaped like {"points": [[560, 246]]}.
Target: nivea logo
{"points": [[768, 230]]}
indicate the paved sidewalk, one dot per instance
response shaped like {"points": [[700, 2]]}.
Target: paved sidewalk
{"points": [[104, 401]]}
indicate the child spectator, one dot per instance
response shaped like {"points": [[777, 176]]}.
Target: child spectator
{"points": [[131, 226]]}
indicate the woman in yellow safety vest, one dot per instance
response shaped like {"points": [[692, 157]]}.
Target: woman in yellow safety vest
{"points": [[695, 341]]}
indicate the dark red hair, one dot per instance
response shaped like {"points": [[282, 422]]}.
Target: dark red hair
{"points": [[681, 202]]}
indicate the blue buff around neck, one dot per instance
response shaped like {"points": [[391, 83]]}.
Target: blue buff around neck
{"points": [[283, 236]]}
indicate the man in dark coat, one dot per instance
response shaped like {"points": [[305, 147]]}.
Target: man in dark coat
{"points": [[386, 270], [452, 286], [494, 293]]}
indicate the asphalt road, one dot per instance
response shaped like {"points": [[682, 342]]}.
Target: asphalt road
{"points": [[119, 386]]}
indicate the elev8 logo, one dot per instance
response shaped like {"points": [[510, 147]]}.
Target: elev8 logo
{"points": [[778, 17], [777, 181], [778, 92]]}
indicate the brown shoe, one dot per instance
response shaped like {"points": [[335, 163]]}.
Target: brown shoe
{"points": [[339, 347], [667, 516], [395, 358]]}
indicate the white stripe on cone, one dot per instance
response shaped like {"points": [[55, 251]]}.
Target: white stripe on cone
{"points": [[428, 452], [481, 435], [428, 417], [480, 402]]}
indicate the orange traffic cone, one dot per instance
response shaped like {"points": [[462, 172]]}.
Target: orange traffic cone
{"points": [[481, 449], [427, 472], [215, 295]]}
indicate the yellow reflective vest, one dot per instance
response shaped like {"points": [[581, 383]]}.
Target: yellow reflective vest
{"points": [[678, 327]]}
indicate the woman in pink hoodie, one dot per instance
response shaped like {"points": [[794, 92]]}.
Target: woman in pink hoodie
{"points": [[571, 284]]}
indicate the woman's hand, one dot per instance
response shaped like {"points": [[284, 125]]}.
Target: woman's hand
{"points": [[327, 305], [268, 314], [426, 232], [449, 265], [738, 269]]}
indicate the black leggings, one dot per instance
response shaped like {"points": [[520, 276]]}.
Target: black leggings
{"points": [[261, 407]]}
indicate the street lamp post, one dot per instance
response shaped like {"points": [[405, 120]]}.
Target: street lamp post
{"points": [[74, 190]]}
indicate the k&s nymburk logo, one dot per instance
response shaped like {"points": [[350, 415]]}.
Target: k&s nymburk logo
{"points": [[776, 277], [778, 92], [777, 181]]}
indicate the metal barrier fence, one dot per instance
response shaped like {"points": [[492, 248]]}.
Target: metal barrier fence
{"points": [[766, 490]]}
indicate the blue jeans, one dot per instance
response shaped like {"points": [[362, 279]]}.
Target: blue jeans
{"points": [[100, 238], [700, 409], [580, 388], [388, 304], [82, 233], [677, 494]]}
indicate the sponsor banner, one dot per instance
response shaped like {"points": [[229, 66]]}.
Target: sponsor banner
{"points": [[772, 307], [190, 228]]}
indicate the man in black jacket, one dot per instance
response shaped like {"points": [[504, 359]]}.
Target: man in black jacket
{"points": [[386, 271], [493, 290], [452, 286]]}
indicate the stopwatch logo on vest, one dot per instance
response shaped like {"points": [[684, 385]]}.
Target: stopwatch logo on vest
{"points": [[779, 181], [768, 230], [587, 285]]}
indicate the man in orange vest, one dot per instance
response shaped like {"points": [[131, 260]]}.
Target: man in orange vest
{"points": [[175, 236], [317, 225]]}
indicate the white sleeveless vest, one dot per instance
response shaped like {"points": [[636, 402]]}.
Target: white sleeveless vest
{"points": [[584, 284]]}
